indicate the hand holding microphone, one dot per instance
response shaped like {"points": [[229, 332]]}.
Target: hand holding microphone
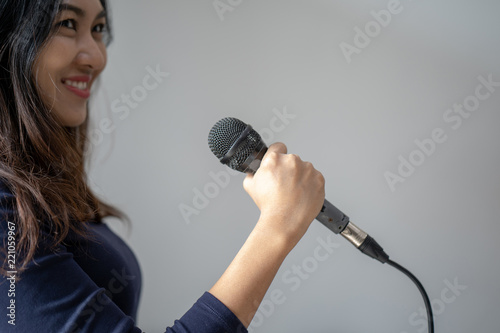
{"points": [[289, 194], [288, 191]]}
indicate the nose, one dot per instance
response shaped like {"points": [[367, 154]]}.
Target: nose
{"points": [[91, 53]]}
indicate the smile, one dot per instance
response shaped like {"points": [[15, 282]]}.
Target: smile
{"points": [[78, 86]]}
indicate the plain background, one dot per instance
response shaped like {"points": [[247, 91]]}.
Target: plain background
{"points": [[352, 120]]}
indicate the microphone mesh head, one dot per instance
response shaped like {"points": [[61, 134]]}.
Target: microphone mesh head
{"points": [[225, 133]]}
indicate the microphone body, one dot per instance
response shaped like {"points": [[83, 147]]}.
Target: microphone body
{"points": [[237, 145]]}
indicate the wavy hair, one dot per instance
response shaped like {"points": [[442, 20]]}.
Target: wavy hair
{"points": [[41, 161]]}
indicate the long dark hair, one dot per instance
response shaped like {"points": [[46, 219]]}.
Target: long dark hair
{"points": [[41, 161]]}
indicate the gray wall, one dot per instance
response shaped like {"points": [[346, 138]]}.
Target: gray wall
{"points": [[355, 120]]}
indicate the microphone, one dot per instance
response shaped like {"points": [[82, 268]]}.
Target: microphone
{"points": [[241, 148]]}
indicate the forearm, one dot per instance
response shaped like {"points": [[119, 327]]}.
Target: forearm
{"points": [[289, 194], [245, 282]]}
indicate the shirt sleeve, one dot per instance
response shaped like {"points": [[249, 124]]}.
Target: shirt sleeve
{"points": [[208, 315]]}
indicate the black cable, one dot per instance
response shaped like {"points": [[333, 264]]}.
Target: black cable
{"points": [[372, 249], [430, 319]]}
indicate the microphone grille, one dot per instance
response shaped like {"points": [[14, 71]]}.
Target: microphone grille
{"points": [[225, 133]]}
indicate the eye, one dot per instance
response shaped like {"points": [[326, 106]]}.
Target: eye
{"points": [[100, 28], [69, 23]]}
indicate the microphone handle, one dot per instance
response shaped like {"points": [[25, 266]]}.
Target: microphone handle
{"points": [[332, 218]]}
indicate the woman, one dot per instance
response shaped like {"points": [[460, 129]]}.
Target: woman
{"points": [[63, 269]]}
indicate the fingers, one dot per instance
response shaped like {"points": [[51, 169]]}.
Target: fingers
{"points": [[271, 155], [277, 147], [288, 191], [274, 153]]}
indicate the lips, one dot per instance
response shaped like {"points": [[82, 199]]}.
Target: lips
{"points": [[79, 85]]}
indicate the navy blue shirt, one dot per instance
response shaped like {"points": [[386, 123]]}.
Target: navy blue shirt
{"points": [[88, 286]]}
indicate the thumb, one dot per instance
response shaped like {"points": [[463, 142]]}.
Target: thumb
{"points": [[278, 147]]}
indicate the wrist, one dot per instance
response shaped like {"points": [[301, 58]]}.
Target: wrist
{"points": [[272, 231]]}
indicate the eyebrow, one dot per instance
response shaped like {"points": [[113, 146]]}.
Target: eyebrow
{"points": [[78, 11]]}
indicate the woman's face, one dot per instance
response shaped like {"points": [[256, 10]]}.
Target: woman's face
{"points": [[72, 60]]}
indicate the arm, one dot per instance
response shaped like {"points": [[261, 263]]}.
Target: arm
{"points": [[289, 194]]}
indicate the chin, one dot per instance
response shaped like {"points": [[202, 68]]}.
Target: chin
{"points": [[74, 120], [75, 123]]}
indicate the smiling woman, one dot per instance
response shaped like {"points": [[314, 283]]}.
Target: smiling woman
{"points": [[63, 269], [43, 116]]}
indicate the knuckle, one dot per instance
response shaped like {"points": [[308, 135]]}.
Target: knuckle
{"points": [[309, 166], [320, 178], [294, 159], [273, 156], [270, 159], [279, 146]]}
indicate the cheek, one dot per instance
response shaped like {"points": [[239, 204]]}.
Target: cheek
{"points": [[54, 57]]}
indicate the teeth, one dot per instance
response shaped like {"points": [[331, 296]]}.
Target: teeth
{"points": [[78, 85]]}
